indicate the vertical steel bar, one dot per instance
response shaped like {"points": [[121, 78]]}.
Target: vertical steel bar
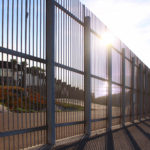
{"points": [[109, 127], [50, 80], [141, 91], [123, 87], [146, 92], [71, 45], [29, 35], [37, 50], [2, 21], [8, 102], [133, 89], [7, 23], [25, 70], [32, 72], [148, 95], [12, 23], [40, 86], [44, 66], [3, 96], [61, 58], [17, 70], [66, 55], [61, 55], [69, 52], [66, 50], [12, 34], [22, 116], [87, 71]]}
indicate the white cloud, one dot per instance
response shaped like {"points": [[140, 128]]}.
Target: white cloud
{"points": [[129, 20]]}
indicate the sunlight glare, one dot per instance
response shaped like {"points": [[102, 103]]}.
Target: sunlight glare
{"points": [[107, 38]]}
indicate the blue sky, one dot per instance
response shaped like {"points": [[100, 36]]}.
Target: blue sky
{"points": [[127, 19]]}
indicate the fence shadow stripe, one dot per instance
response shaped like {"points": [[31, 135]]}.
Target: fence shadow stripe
{"points": [[82, 143], [146, 124], [134, 143], [141, 130]]}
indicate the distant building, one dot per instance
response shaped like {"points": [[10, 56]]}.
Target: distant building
{"points": [[16, 74]]}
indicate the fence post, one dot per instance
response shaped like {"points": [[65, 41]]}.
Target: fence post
{"points": [[146, 92], [109, 88], [50, 76], [123, 87], [133, 88], [87, 71], [141, 91]]}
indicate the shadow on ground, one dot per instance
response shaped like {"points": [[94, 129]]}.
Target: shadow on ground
{"points": [[132, 137]]}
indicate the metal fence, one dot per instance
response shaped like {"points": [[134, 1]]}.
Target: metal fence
{"points": [[57, 77]]}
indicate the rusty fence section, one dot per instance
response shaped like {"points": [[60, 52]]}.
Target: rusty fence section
{"points": [[61, 78]]}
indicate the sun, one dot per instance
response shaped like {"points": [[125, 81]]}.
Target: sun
{"points": [[107, 38]]}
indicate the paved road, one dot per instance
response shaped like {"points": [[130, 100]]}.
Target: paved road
{"points": [[15, 121], [136, 137], [3, 109]]}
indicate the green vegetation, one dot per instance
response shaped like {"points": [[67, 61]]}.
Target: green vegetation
{"points": [[19, 110], [71, 107]]}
